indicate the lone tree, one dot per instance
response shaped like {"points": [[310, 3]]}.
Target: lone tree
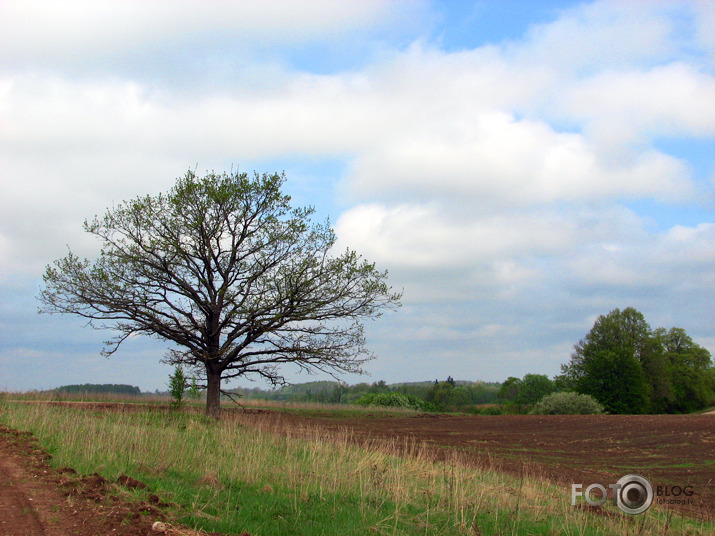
{"points": [[225, 269]]}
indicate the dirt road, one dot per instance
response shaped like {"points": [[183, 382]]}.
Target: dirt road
{"points": [[36, 500]]}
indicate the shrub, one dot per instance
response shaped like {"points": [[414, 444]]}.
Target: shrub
{"points": [[512, 408], [567, 403], [395, 400], [485, 410]]}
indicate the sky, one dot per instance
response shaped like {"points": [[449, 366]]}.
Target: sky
{"points": [[518, 167]]}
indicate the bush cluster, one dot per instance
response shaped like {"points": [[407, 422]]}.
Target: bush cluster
{"points": [[485, 410], [567, 403], [395, 400]]}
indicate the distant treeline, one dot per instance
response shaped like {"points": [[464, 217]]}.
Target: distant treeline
{"points": [[443, 394], [103, 388]]}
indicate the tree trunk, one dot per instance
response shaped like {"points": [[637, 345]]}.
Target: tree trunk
{"points": [[213, 393]]}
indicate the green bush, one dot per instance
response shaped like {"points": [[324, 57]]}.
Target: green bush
{"points": [[512, 408], [567, 403], [485, 410], [395, 400]]}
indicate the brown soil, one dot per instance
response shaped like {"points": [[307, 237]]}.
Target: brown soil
{"points": [[36, 500], [669, 450]]}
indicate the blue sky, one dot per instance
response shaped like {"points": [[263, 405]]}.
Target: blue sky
{"points": [[519, 167]]}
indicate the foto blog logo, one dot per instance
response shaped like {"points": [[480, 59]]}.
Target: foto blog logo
{"points": [[633, 494]]}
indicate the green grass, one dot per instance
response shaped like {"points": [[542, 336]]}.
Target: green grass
{"points": [[303, 409], [315, 409], [253, 473]]}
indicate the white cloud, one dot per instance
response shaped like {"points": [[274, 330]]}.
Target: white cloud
{"points": [[597, 35], [688, 245], [493, 330], [84, 31], [505, 161], [680, 258], [491, 182], [636, 106], [704, 24], [419, 125], [423, 236]]}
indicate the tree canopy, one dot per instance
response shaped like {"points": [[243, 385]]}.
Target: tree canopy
{"points": [[228, 272], [630, 368]]}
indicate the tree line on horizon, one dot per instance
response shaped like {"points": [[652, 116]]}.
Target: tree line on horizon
{"points": [[101, 388], [622, 364], [445, 395]]}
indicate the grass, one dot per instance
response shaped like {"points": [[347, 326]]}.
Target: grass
{"points": [[83, 397], [257, 474], [305, 409], [335, 411]]}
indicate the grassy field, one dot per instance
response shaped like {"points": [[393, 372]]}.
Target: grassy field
{"points": [[254, 473], [307, 409]]}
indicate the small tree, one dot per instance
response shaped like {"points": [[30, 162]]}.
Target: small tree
{"points": [[458, 397], [509, 390], [193, 391], [225, 269], [439, 395], [177, 388]]}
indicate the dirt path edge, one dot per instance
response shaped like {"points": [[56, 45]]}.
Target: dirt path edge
{"points": [[37, 500]]}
